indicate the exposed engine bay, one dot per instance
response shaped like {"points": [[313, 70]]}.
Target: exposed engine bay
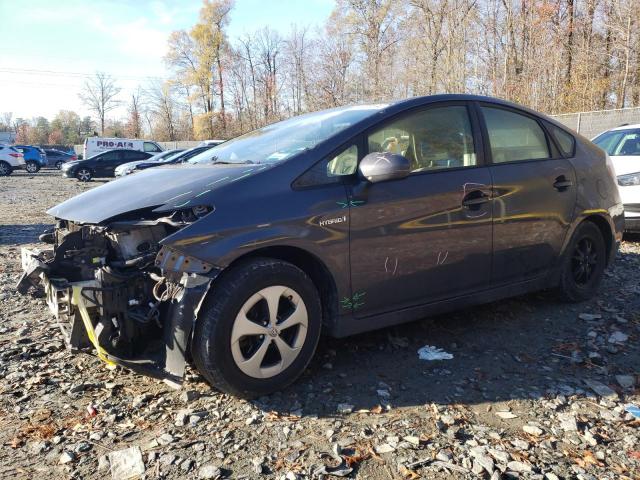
{"points": [[116, 290]]}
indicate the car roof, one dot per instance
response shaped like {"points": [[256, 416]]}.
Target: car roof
{"points": [[624, 127]]}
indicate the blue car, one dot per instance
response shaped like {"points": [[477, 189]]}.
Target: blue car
{"points": [[34, 157]]}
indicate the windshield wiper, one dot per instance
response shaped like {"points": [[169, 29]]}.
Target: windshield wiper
{"points": [[224, 162]]}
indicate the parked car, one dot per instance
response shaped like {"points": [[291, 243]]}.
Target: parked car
{"points": [[127, 168], [175, 159], [338, 221], [55, 158], [101, 165], [10, 159], [95, 145], [34, 157], [623, 146]]}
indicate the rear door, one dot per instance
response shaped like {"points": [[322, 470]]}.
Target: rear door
{"points": [[426, 237], [534, 194]]}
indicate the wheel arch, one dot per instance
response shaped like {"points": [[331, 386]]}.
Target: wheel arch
{"points": [[605, 230], [307, 262]]}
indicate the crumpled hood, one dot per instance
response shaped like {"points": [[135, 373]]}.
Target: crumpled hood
{"points": [[624, 164], [164, 188]]}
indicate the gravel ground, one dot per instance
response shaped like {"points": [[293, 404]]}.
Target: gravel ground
{"points": [[535, 389]]}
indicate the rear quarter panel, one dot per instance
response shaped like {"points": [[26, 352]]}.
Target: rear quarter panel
{"points": [[597, 190]]}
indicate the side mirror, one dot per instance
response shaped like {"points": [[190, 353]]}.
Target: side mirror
{"points": [[383, 166]]}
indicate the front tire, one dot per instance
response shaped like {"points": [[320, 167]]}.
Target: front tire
{"points": [[59, 164], [84, 175], [583, 264], [258, 328], [32, 167]]}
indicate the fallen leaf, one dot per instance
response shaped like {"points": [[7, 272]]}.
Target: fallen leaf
{"points": [[408, 473], [377, 409], [635, 454]]}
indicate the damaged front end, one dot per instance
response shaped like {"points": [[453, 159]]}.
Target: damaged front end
{"points": [[116, 290]]}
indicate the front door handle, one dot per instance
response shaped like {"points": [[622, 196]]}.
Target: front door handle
{"points": [[474, 199], [562, 183]]}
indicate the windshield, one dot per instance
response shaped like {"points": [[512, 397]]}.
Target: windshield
{"points": [[620, 142], [279, 141]]}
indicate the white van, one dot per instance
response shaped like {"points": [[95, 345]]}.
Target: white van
{"points": [[95, 145]]}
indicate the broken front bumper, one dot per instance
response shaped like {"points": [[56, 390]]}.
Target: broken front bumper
{"points": [[74, 309]]}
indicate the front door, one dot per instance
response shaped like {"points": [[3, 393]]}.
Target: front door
{"points": [[534, 195], [426, 237], [106, 164]]}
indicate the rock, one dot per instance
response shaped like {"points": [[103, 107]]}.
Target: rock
{"points": [[589, 316], [165, 439], [568, 422], [103, 463], [532, 430], [444, 455], [551, 476], [209, 471], [186, 465], [506, 415], [141, 400], [66, 457], [344, 408], [601, 389], [518, 466], [126, 463], [626, 381], [82, 447], [189, 396], [500, 455], [412, 440], [618, 337], [384, 448]]}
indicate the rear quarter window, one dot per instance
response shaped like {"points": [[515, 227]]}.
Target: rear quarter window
{"points": [[564, 139]]}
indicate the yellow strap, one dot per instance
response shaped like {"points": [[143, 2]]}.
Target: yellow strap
{"points": [[79, 301]]}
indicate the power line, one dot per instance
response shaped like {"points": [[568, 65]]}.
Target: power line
{"points": [[58, 73]]}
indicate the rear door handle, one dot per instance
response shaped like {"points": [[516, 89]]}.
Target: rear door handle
{"points": [[562, 183]]}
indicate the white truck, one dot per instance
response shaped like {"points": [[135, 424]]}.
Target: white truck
{"points": [[95, 145]]}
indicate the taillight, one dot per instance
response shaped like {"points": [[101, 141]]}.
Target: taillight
{"points": [[16, 155], [74, 157]]}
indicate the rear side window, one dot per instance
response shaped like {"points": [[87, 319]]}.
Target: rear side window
{"points": [[514, 137], [564, 139]]}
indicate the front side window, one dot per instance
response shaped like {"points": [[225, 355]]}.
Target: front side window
{"points": [[439, 137], [514, 137], [331, 170], [345, 163]]}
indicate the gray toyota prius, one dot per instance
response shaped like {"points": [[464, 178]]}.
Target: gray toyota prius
{"points": [[337, 222]]}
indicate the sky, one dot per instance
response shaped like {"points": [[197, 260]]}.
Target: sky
{"points": [[49, 48]]}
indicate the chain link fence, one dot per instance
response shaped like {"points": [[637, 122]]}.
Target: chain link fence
{"points": [[591, 124]]}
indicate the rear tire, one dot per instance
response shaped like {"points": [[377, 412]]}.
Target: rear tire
{"points": [[59, 164], [258, 328], [583, 264], [32, 167], [5, 169], [84, 175]]}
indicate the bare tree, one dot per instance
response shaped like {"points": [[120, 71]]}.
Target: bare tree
{"points": [[99, 95]]}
